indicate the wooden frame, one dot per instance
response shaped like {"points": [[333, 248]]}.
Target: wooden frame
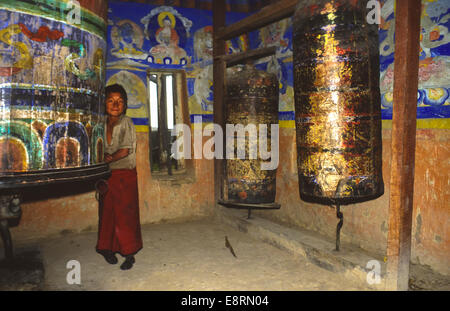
{"points": [[180, 79]]}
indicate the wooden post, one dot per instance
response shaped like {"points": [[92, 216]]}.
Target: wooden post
{"points": [[219, 67], [406, 67]]}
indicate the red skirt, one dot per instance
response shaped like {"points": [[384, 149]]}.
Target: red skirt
{"points": [[119, 226]]}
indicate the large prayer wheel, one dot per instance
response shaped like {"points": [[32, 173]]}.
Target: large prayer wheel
{"points": [[337, 102], [251, 100], [52, 80]]}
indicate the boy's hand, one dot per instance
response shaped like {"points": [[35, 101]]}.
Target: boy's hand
{"points": [[108, 158]]}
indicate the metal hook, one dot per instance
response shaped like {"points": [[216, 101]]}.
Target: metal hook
{"points": [[101, 187], [339, 215]]}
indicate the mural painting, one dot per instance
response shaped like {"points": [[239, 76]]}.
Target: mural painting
{"points": [[433, 103], [433, 98], [127, 38], [164, 37], [167, 31], [200, 81]]}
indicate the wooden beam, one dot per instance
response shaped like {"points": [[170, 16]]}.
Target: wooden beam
{"points": [[267, 15], [244, 57], [406, 67], [219, 68]]}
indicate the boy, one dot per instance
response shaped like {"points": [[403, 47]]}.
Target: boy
{"points": [[119, 225]]}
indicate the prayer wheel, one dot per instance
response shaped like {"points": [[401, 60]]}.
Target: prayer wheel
{"points": [[52, 112], [337, 102], [251, 101], [52, 82]]}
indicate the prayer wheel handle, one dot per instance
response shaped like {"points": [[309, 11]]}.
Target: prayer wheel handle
{"points": [[101, 187]]}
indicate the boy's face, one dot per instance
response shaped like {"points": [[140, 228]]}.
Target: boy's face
{"points": [[115, 105]]}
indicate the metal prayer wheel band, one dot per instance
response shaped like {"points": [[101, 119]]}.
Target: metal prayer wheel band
{"points": [[337, 102], [254, 86], [249, 107], [340, 16], [346, 119], [256, 121], [262, 91], [251, 99], [350, 164], [321, 102], [51, 115], [356, 134], [49, 99], [322, 77], [255, 192], [347, 50]]}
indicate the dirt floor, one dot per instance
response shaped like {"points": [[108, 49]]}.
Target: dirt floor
{"points": [[188, 256]]}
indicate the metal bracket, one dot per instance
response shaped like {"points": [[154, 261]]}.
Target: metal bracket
{"points": [[249, 207], [9, 209], [339, 215]]}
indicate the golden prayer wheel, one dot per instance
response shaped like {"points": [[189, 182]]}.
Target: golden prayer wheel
{"points": [[251, 101], [337, 102]]}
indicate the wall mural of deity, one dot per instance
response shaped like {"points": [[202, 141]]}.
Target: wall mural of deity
{"points": [[167, 32], [203, 44], [433, 96], [127, 38]]}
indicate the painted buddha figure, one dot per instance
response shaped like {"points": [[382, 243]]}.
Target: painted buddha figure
{"points": [[167, 35], [167, 51]]}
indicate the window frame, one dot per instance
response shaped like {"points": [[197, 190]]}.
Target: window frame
{"points": [[180, 101]]}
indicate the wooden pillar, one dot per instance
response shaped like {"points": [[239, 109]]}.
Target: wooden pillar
{"points": [[406, 66], [219, 67]]}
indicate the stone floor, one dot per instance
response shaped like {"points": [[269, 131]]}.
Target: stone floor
{"points": [[189, 256]]}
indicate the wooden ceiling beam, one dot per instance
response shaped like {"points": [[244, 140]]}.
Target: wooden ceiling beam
{"points": [[267, 15], [244, 57]]}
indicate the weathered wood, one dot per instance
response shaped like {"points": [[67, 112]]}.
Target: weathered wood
{"points": [[219, 67], [406, 66], [267, 15], [240, 58], [184, 106]]}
